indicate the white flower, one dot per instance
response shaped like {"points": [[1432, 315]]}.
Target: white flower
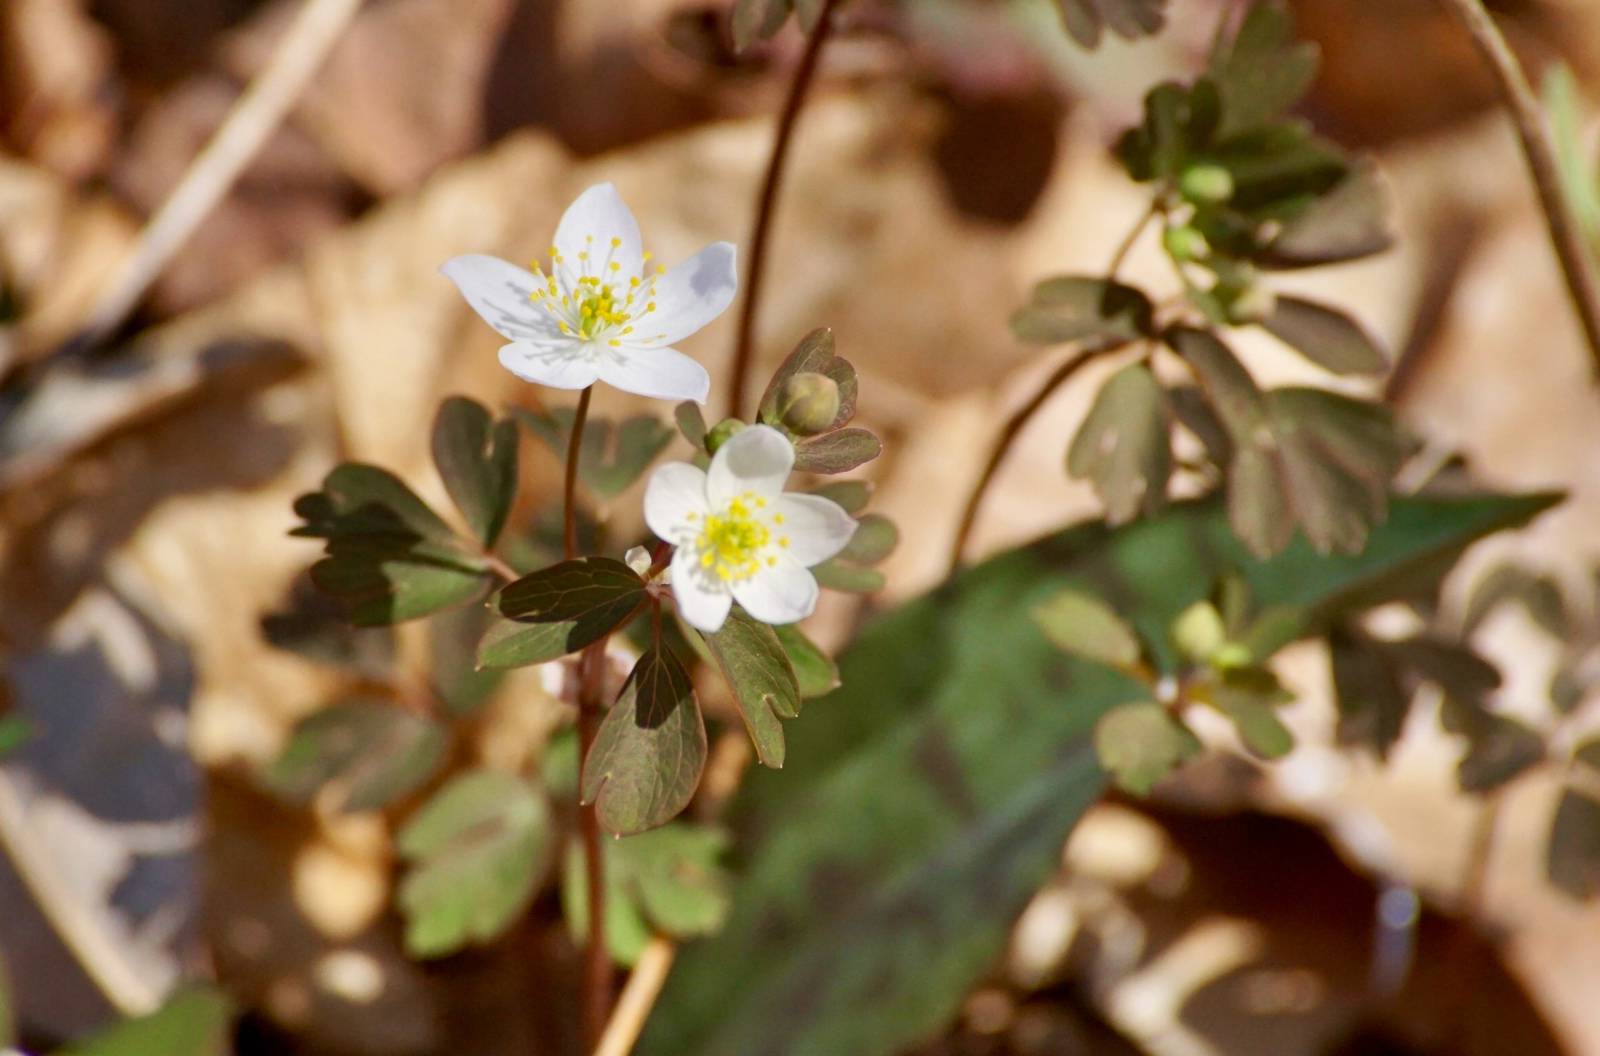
{"points": [[739, 536], [602, 313]]}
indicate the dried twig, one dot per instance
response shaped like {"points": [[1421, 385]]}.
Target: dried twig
{"points": [[637, 999], [253, 118]]}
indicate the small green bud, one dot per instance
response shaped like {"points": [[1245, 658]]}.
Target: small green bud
{"points": [[1198, 631], [807, 403], [1231, 656], [1206, 184], [1185, 243], [1251, 304], [721, 433]]}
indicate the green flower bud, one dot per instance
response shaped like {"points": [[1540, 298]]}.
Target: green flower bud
{"points": [[1185, 243], [1206, 184], [1251, 304], [721, 433], [807, 403]]}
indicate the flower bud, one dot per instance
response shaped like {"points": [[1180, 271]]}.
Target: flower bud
{"points": [[808, 403], [1251, 305], [1206, 184], [721, 433], [1185, 243]]}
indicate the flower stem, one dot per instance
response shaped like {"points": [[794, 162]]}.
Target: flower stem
{"points": [[1008, 436], [804, 74], [596, 985], [1577, 267]]}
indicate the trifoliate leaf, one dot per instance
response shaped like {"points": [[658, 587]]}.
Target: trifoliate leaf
{"points": [[1084, 625], [813, 355], [373, 752], [874, 540], [1139, 744], [477, 851], [1086, 20], [390, 557], [1572, 860], [560, 609], [650, 750], [837, 452], [613, 455], [666, 881], [1078, 308], [477, 460], [195, 1021], [1327, 337], [814, 671], [1178, 127], [762, 679], [1260, 70], [1124, 445]]}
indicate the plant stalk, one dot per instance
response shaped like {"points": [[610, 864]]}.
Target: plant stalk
{"points": [[1577, 266], [771, 184]]}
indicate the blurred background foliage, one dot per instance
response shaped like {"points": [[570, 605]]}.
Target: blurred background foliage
{"points": [[234, 823]]}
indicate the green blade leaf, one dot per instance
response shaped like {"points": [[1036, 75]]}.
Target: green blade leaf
{"points": [[667, 881], [650, 750], [814, 671], [477, 850], [1260, 70], [564, 607], [1328, 338], [1346, 223], [193, 1022], [374, 752], [1078, 308], [1124, 445], [477, 459], [1139, 744], [882, 878], [759, 672]]}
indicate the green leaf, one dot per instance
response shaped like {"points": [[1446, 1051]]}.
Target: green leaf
{"points": [[851, 495], [1249, 696], [762, 678], [874, 540], [837, 452], [1348, 222], [15, 731], [882, 878], [1085, 626], [835, 574], [814, 671], [1086, 20], [477, 460], [1537, 594], [665, 881], [561, 609], [1572, 860], [1124, 445], [389, 557], [1498, 750], [650, 750], [1079, 308], [1260, 71], [195, 1021], [813, 355], [613, 455], [374, 752], [477, 851], [1139, 744], [1328, 338]]}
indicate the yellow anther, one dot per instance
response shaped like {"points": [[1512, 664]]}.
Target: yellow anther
{"points": [[777, 518], [616, 243], [615, 266], [614, 343], [783, 541]]}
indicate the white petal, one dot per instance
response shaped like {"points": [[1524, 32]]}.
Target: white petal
{"points": [[676, 492], [498, 290], [660, 373], [703, 599], [755, 459], [560, 366], [817, 528], [597, 216], [691, 295], [781, 593]]}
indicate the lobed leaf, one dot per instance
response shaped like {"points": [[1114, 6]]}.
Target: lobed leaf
{"points": [[477, 460], [372, 750], [837, 452], [650, 750], [568, 605], [1139, 744], [1124, 445], [194, 1021], [1079, 308], [1260, 70], [815, 672], [1085, 626], [762, 678]]}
